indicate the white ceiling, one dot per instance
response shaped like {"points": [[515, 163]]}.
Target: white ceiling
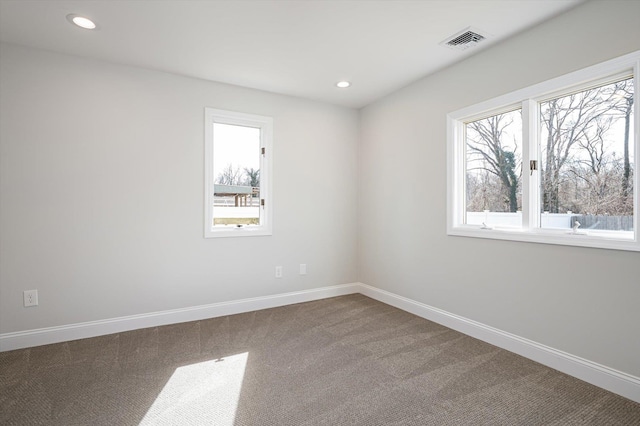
{"points": [[297, 47]]}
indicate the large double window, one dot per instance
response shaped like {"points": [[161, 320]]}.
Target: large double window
{"points": [[237, 174], [552, 163]]}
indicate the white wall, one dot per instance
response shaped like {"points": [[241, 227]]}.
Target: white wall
{"points": [[579, 300], [101, 197]]}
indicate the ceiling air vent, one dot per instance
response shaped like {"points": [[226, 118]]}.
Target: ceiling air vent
{"points": [[469, 37]]}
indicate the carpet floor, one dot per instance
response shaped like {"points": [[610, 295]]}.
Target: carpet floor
{"points": [[348, 360]]}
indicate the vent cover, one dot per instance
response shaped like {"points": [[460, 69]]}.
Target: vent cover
{"points": [[469, 37]]}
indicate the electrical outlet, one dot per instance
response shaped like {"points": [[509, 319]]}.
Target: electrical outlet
{"points": [[30, 298], [278, 271], [303, 269]]}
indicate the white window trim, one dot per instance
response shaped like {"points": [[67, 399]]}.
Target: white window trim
{"points": [[528, 99], [265, 124]]}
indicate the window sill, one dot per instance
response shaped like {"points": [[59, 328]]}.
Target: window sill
{"points": [[230, 231], [583, 238]]}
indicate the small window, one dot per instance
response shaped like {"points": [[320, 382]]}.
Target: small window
{"points": [[551, 163], [237, 150]]}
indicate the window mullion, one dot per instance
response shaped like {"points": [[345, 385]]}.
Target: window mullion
{"points": [[636, 142], [530, 178]]}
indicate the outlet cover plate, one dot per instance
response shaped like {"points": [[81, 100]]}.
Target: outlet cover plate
{"points": [[30, 298]]}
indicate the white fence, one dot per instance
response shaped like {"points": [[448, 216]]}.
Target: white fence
{"points": [[549, 220], [230, 201], [554, 220]]}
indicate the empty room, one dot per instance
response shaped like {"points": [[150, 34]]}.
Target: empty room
{"points": [[317, 212]]}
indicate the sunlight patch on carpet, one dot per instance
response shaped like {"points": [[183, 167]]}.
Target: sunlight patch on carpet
{"points": [[203, 393]]}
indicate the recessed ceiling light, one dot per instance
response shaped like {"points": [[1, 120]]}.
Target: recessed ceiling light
{"points": [[81, 21], [343, 84]]}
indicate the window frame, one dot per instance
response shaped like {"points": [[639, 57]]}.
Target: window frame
{"points": [[265, 124], [529, 99]]}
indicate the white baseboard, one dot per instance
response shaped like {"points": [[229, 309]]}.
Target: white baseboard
{"points": [[45, 336], [591, 372]]}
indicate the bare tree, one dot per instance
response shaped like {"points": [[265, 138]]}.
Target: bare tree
{"points": [[230, 176], [577, 129], [625, 95], [565, 121], [597, 169], [486, 143]]}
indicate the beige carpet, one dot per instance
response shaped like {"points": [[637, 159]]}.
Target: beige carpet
{"points": [[344, 361]]}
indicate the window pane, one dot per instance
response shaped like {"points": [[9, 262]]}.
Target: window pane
{"points": [[494, 170], [587, 158], [236, 173]]}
